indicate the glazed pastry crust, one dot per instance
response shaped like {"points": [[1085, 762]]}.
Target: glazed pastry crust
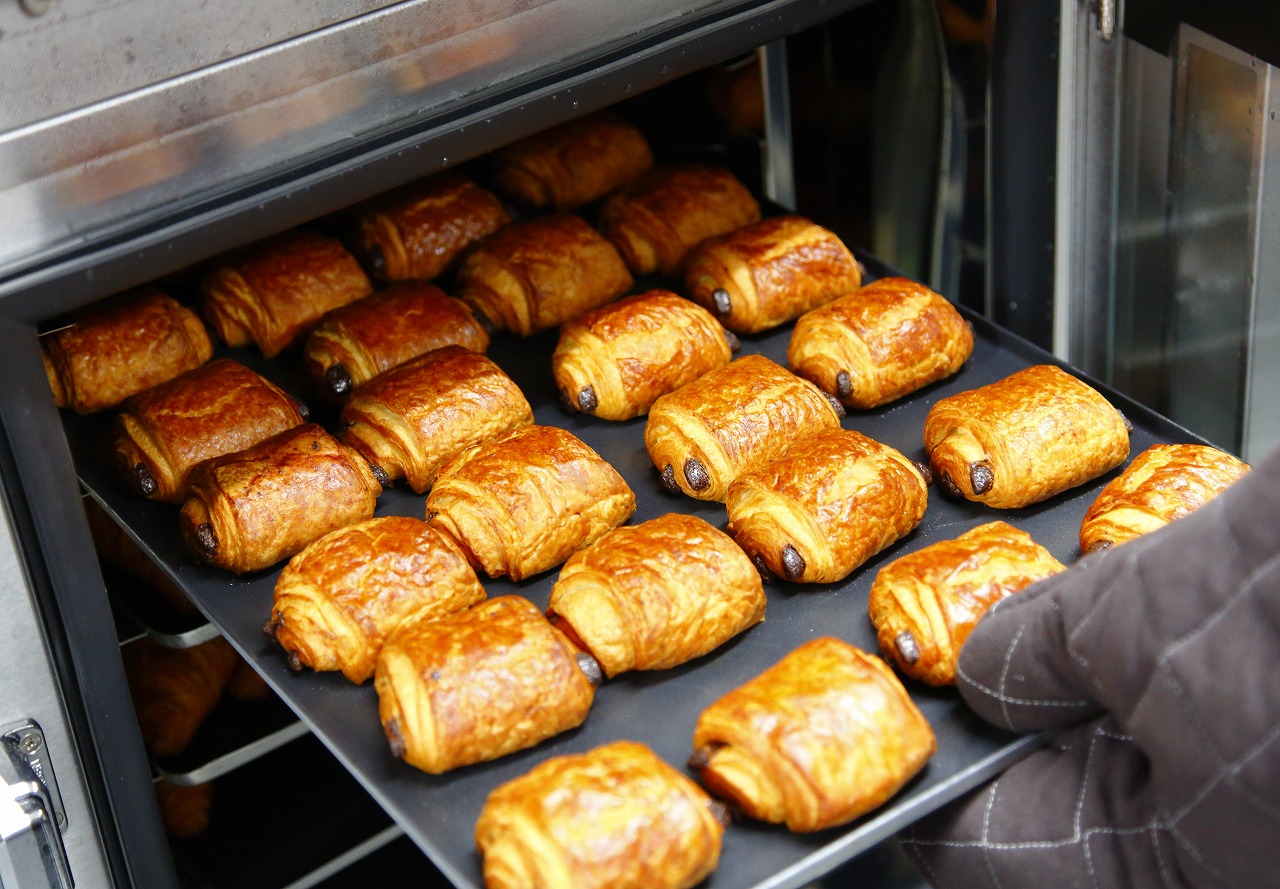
{"points": [[473, 686], [1023, 439], [251, 509], [829, 503], [1162, 484], [823, 736], [766, 274], [275, 292], [523, 504], [122, 348], [175, 689], [631, 352], [730, 421], [657, 219], [355, 343], [615, 817], [657, 594], [411, 420], [218, 408], [573, 164], [937, 594], [534, 275], [880, 342], [336, 602]]}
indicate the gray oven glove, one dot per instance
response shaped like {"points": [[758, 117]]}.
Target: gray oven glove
{"points": [[1159, 660]]}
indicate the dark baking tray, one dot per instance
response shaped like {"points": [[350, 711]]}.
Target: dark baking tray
{"points": [[658, 708]]}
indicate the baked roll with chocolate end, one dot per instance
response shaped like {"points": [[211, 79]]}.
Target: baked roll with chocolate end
{"points": [[925, 604], [250, 509], [218, 408], [614, 362], [273, 293], [657, 594], [657, 219], [411, 420], [762, 275], [421, 230], [525, 503], [880, 342], [615, 817], [1036, 433], [1162, 484], [336, 602], [829, 503], [572, 164], [175, 689], [534, 275], [356, 342], [120, 348], [469, 687], [730, 421], [825, 735]]}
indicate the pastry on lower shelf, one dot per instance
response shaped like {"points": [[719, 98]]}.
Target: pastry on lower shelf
{"points": [[162, 433], [614, 362], [759, 276], [184, 808], [657, 219], [536, 274], [253, 508], [479, 684], [730, 421], [830, 502], [356, 342], [1161, 485], [175, 689], [336, 602], [655, 595], [274, 292], [409, 421], [419, 231], [1036, 433], [573, 164], [614, 817], [525, 503], [880, 342], [121, 347], [246, 683], [823, 736], [924, 604], [116, 547]]}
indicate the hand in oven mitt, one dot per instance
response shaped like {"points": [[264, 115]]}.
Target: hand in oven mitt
{"points": [[1160, 662]]}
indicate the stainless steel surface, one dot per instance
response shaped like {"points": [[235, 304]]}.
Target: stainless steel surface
{"points": [[779, 170], [233, 759], [31, 851], [1261, 430]]}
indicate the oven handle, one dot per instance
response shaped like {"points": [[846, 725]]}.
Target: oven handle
{"points": [[31, 852]]}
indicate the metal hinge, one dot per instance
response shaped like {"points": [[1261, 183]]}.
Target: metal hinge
{"points": [[1106, 18]]}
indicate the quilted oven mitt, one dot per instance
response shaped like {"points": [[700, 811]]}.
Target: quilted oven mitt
{"points": [[1159, 661]]}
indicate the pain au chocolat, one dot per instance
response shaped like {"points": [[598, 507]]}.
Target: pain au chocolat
{"points": [[1036, 433]]}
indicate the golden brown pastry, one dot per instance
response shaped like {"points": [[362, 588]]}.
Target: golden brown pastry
{"points": [[823, 736], [220, 407], [536, 274], [572, 164], [657, 219], [525, 503], [1162, 484], [247, 684], [356, 342], [175, 689], [1023, 439], [273, 293], [615, 817], [830, 502], [762, 275], [421, 230], [925, 604], [338, 600], [250, 509], [469, 687], [122, 347], [614, 362], [409, 421], [115, 546], [184, 808], [880, 342], [731, 420], [657, 594]]}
